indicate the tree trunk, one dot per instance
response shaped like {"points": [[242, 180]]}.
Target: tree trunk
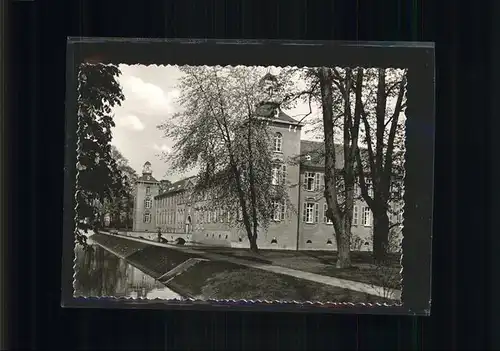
{"points": [[253, 243], [380, 235], [343, 246]]}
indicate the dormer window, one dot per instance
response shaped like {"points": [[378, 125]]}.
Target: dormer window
{"points": [[278, 142], [308, 157]]}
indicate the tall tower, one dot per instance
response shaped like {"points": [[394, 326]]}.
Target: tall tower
{"points": [[146, 188]]}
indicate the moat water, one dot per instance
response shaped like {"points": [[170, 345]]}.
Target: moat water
{"points": [[100, 273]]}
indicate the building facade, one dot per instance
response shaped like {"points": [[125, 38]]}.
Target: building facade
{"points": [[146, 188], [301, 224]]}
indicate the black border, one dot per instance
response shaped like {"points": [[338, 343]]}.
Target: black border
{"points": [[420, 130], [4, 107]]}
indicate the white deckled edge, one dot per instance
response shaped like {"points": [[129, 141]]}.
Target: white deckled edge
{"points": [[239, 302]]}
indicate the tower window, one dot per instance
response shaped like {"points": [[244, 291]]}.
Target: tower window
{"points": [[147, 203], [278, 142], [147, 218], [148, 190]]}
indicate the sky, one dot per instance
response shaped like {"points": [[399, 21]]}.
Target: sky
{"points": [[150, 98]]}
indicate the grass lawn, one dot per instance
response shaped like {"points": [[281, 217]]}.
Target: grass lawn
{"points": [[224, 281], [323, 262]]}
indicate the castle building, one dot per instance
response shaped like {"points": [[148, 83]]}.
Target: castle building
{"points": [[146, 188], [175, 211]]}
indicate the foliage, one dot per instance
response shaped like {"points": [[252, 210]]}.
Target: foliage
{"points": [[121, 207], [164, 184], [99, 178], [219, 131]]}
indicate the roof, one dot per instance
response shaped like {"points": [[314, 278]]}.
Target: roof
{"points": [[147, 178], [268, 110], [312, 154], [177, 186]]}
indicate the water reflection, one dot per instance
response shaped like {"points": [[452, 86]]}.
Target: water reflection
{"points": [[100, 273]]}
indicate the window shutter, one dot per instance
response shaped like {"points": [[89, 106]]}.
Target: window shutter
{"points": [[283, 174], [316, 181], [325, 219], [304, 185], [305, 213], [283, 210], [316, 213]]}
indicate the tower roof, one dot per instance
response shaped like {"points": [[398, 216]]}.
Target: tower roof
{"points": [[272, 111], [147, 178]]}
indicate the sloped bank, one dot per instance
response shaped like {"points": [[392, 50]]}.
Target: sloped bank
{"points": [[217, 279]]}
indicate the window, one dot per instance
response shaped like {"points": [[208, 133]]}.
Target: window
{"points": [[278, 142], [310, 214], [325, 218], [369, 187], [283, 174], [310, 181], [355, 215], [367, 220], [147, 218], [147, 203], [279, 211], [278, 175], [148, 190], [275, 175]]}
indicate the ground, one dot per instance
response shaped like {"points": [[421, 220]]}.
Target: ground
{"points": [[222, 281], [218, 279], [323, 262]]}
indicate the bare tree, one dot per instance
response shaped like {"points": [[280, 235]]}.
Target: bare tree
{"points": [[340, 215], [219, 131], [382, 163], [333, 90]]}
